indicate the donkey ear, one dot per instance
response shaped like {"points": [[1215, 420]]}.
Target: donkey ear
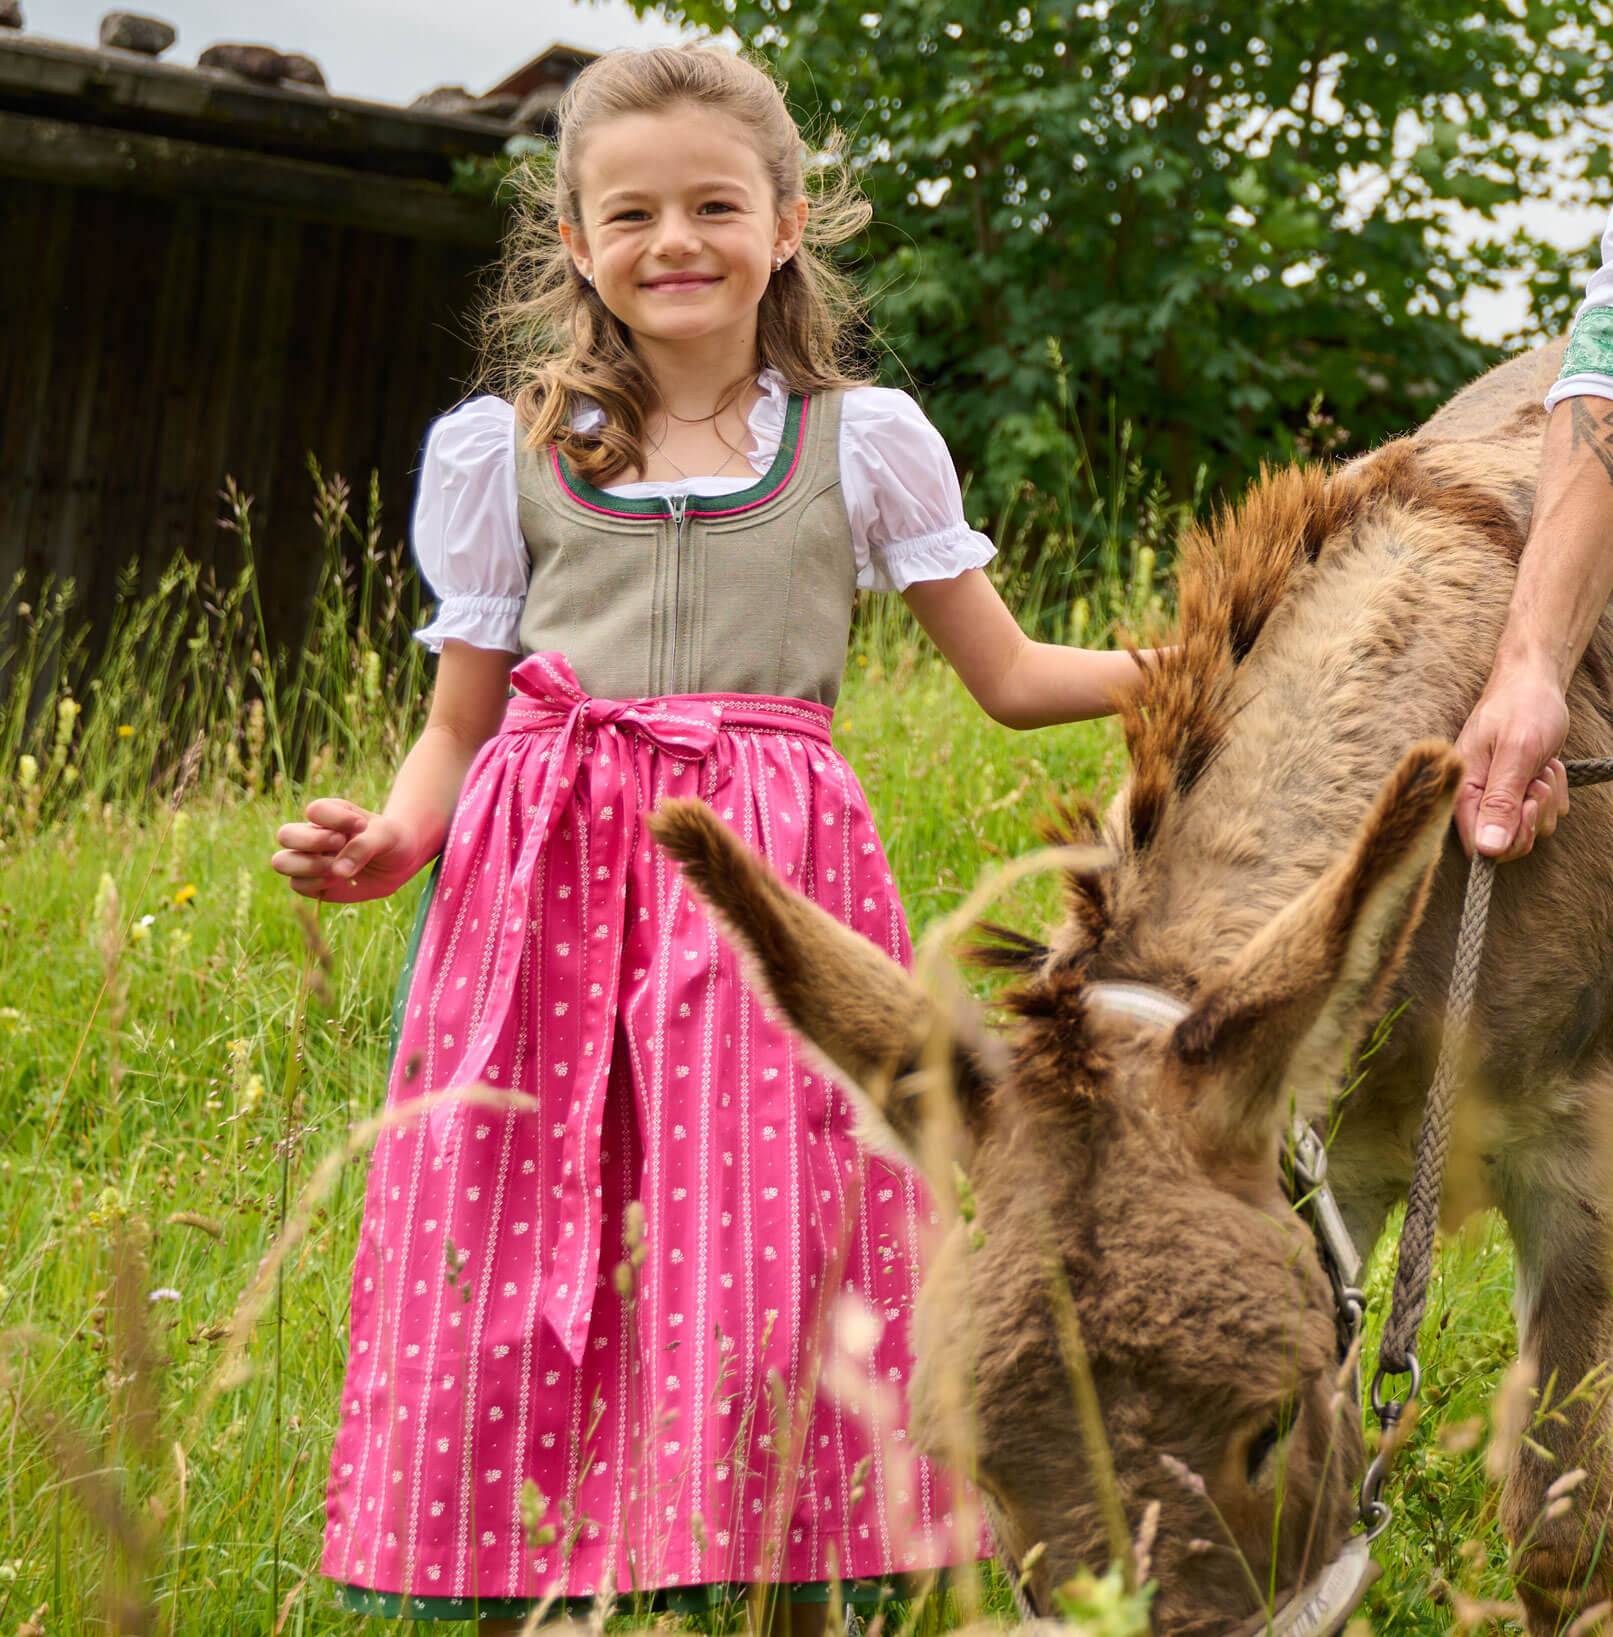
{"points": [[1295, 1004], [866, 1016]]}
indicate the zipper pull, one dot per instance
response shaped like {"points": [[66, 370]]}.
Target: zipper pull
{"points": [[677, 506]]}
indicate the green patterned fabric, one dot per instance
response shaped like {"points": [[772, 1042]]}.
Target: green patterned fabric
{"points": [[400, 995], [691, 1601], [1590, 344]]}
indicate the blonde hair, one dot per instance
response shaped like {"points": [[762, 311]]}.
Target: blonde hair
{"points": [[548, 340]]}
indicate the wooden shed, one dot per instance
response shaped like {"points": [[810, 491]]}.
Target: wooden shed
{"points": [[205, 275]]}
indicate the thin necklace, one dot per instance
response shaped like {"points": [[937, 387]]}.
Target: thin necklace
{"points": [[655, 448]]}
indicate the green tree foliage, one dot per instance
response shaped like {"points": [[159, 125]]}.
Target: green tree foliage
{"points": [[1224, 211]]}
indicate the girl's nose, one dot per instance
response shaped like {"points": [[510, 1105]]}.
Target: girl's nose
{"points": [[677, 236]]}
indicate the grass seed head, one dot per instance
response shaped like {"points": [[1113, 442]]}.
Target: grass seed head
{"points": [[1514, 1407], [1566, 1484], [241, 919], [633, 1232]]}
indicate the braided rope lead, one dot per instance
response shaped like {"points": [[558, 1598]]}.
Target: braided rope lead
{"points": [[1397, 1352], [1398, 1348]]}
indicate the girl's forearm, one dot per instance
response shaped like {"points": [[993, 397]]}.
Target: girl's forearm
{"points": [[1048, 683], [467, 706], [1020, 683], [426, 789]]}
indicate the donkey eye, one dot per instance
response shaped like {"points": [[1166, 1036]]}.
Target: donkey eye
{"points": [[1260, 1450], [1263, 1446]]}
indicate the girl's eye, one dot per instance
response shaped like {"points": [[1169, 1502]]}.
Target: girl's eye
{"points": [[717, 204]]}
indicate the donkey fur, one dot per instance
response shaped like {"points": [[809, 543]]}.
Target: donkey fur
{"points": [[1283, 863]]}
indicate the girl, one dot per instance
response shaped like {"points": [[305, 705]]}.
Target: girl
{"points": [[586, 1330]]}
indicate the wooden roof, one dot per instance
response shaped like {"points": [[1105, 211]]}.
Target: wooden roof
{"points": [[117, 120], [555, 66]]}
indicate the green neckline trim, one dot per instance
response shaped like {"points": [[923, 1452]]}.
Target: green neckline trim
{"points": [[774, 479]]}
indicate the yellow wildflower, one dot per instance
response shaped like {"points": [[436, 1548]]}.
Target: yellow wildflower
{"points": [[185, 894], [27, 771], [125, 731]]}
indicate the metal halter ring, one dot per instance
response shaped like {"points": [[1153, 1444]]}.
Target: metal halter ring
{"points": [[1388, 1411], [1374, 1512]]}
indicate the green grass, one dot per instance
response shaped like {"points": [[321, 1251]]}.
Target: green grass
{"points": [[175, 1063]]}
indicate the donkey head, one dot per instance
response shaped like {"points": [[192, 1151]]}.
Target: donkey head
{"points": [[1125, 1171]]}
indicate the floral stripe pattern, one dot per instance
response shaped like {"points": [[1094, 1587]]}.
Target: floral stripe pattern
{"points": [[677, 1417]]}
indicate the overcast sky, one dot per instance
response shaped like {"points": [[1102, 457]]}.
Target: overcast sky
{"points": [[392, 50]]}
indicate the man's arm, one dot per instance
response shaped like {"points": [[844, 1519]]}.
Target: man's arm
{"points": [[1514, 789]]}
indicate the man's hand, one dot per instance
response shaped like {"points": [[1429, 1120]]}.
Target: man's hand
{"points": [[1514, 787]]}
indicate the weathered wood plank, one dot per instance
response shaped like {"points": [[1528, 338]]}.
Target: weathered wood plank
{"points": [[148, 347], [42, 220], [106, 88], [52, 150]]}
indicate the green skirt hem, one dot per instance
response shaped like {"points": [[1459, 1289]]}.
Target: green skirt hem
{"points": [[687, 1600]]}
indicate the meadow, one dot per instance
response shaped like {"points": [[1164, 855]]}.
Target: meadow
{"points": [[187, 1058]]}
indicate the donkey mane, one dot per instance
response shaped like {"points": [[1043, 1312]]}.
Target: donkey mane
{"points": [[1231, 575]]}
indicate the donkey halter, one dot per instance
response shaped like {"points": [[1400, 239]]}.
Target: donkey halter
{"points": [[1320, 1608]]}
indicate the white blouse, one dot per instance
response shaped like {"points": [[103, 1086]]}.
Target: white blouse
{"points": [[900, 488]]}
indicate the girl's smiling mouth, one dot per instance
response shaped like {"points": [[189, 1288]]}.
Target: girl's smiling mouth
{"points": [[680, 281]]}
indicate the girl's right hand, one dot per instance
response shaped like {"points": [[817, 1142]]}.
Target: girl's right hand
{"points": [[345, 854]]}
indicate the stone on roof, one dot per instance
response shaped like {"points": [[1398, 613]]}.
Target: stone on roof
{"points": [[263, 63], [455, 99], [129, 31]]}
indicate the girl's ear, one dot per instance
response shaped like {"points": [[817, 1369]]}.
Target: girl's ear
{"points": [[792, 220], [577, 247]]}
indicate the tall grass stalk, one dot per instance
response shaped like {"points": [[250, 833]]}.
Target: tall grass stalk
{"points": [[190, 664]]}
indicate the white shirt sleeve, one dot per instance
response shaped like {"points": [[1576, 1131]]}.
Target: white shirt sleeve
{"points": [[1588, 364], [467, 530], [902, 494]]}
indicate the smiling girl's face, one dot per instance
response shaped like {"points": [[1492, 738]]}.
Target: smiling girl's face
{"points": [[678, 227]]}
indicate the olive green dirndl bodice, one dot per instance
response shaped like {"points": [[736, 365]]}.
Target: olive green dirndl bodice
{"points": [[748, 592]]}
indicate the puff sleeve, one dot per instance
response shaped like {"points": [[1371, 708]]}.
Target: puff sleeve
{"points": [[466, 529], [902, 494]]}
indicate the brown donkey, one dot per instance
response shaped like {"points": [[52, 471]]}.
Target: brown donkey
{"points": [[1283, 865]]}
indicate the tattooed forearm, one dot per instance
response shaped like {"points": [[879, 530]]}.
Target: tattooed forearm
{"points": [[1591, 432]]}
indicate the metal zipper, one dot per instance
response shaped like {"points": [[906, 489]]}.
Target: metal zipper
{"points": [[676, 506]]}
